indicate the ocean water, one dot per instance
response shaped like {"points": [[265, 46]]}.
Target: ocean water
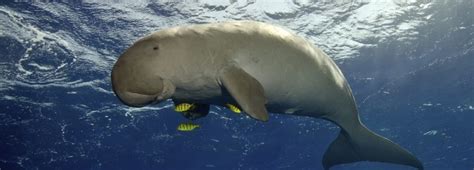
{"points": [[410, 65]]}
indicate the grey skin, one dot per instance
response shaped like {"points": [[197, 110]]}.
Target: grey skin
{"points": [[261, 68]]}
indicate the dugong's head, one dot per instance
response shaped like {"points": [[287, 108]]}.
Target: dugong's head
{"points": [[137, 76]]}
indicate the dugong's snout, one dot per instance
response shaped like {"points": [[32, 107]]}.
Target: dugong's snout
{"points": [[138, 98], [134, 99], [138, 86]]}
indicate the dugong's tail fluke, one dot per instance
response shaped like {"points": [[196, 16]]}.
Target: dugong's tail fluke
{"points": [[360, 144]]}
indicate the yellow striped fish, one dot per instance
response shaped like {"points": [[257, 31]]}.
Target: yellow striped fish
{"points": [[182, 107], [186, 127], [234, 108]]}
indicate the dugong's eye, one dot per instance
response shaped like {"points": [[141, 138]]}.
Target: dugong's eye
{"points": [[155, 48]]}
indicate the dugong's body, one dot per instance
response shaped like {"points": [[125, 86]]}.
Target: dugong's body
{"points": [[260, 67]]}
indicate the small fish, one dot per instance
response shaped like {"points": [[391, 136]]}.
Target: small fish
{"points": [[183, 107], [186, 127], [234, 108]]}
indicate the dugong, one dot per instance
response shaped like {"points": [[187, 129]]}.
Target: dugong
{"points": [[259, 67]]}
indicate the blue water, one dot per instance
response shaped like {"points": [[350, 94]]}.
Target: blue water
{"points": [[58, 111]]}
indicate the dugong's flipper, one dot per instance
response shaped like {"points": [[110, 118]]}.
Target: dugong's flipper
{"points": [[357, 143], [246, 90]]}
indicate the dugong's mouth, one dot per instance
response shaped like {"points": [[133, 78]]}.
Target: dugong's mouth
{"points": [[137, 99], [168, 91]]}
